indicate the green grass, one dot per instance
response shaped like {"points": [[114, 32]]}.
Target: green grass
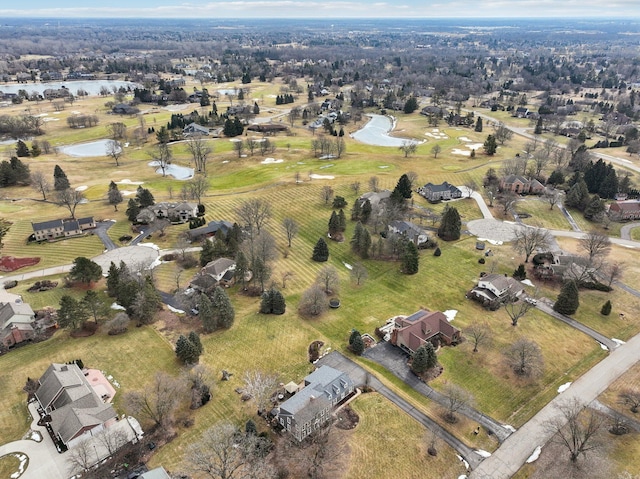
{"points": [[541, 214], [9, 465]]}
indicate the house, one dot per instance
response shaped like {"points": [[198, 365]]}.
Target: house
{"points": [[195, 129], [567, 266], [62, 228], [124, 109], [494, 289], [209, 230], [411, 332], [409, 230], [268, 129], [376, 198], [444, 191], [70, 404], [310, 407], [176, 212], [16, 323], [521, 112], [220, 271], [521, 185], [625, 210]]}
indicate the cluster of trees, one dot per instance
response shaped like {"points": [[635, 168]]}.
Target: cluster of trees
{"points": [[450, 224], [233, 127], [272, 302], [223, 245], [284, 99], [82, 121], [215, 310], [189, 348], [424, 358], [143, 199], [325, 147], [73, 313], [20, 126], [14, 172], [135, 291]]}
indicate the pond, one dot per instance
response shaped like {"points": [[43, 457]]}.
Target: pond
{"points": [[177, 171], [92, 87], [84, 150], [376, 132]]}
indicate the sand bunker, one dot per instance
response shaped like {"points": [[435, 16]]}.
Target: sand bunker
{"points": [[270, 161], [82, 188], [127, 181], [313, 176]]}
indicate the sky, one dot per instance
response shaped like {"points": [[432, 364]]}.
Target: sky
{"points": [[320, 9]]}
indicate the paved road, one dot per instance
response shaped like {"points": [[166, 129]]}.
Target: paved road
{"points": [[546, 308], [101, 232], [395, 361], [625, 231], [360, 377], [567, 215], [512, 454], [631, 423]]}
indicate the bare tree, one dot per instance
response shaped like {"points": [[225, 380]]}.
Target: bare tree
{"points": [[516, 308], [456, 398], [339, 146], [355, 186], [112, 439], [114, 150], [613, 273], [527, 239], [326, 193], [117, 131], [329, 279], [525, 358], [81, 457], [261, 387], [70, 199], [480, 334], [507, 201], [552, 196], [471, 187], [374, 183], [492, 193], [322, 451], [596, 246], [286, 276], [290, 229], [40, 183], [359, 273], [198, 187], [251, 144], [502, 133], [158, 401], [436, 149], [254, 214], [408, 148], [576, 428], [200, 151], [313, 301], [630, 397], [238, 147], [162, 155]]}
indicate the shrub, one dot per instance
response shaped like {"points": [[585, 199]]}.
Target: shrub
{"points": [[481, 261], [10, 284], [520, 273], [606, 308], [437, 252]]}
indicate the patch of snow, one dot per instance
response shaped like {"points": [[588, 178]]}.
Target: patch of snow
{"points": [[383, 167], [50, 119], [82, 188], [150, 245], [463, 476], [535, 455], [508, 427], [324, 167], [235, 140], [493, 242], [327, 157], [450, 314], [482, 453], [174, 310], [466, 464], [117, 307], [225, 161], [128, 192], [618, 341], [603, 346], [313, 176], [527, 282], [347, 265], [75, 112], [268, 161], [457, 151], [564, 387], [127, 181], [464, 138], [475, 146], [300, 163], [126, 145], [155, 263]]}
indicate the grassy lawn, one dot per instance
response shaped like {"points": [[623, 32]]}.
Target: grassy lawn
{"points": [[9, 464], [541, 214]]}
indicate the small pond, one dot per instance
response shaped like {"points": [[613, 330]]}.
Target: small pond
{"points": [[83, 150], [376, 132], [177, 171], [92, 87]]}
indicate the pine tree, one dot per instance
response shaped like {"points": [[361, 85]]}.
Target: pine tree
{"points": [[520, 273], [19, 171], [194, 338], [60, 180], [490, 145], [538, 129], [366, 211], [144, 197], [113, 278], [22, 149], [420, 360], [133, 210], [342, 221], [357, 346], [432, 357], [242, 267], [266, 302], [279, 305], [186, 351], [250, 428], [206, 314], [320, 251], [356, 211], [114, 196], [207, 253], [606, 308], [356, 240], [334, 224], [595, 208], [478, 127], [450, 225], [354, 334], [568, 299], [223, 308], [410, 259]]}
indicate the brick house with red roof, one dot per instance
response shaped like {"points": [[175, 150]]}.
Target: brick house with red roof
{"points": [[413, 331]]}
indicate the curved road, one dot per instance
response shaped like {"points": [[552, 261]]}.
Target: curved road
{"points": [[625, 231]]}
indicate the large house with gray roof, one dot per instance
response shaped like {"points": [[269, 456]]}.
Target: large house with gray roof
{"points": [[70, 405], [62, 228], [494, 289], [435, 193], [310, 407], [16, 323]]}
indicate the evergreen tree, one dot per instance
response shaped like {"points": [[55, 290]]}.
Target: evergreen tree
{"points": [[342, 221], [609, 187], [595, 208], [356, 211], [490, 145], [22, 149], [250, 428], [194, 338], [133, 210], [242, 267], [85, 270], [450, 224], [186, 351], [206, 314], [478, 127], [432, 357], [278, 304], [366, 211], [354, 334], [71, 314], [334, 224], [606, 308], [60, 180], [568, 299], [144, 197], [207, 253], [520, 273], [225, 314], [538, 128], [19, 171], [114, 196], [357, 346], [410, 105], [339, 202], [266, 302], [147, 302], [420, 360], [556, 178], [113, 279], [578, 195], [410, 259], [403, 188], [320, 251]]}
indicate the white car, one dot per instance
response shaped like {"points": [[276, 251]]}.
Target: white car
{"points": [[531, 301]]}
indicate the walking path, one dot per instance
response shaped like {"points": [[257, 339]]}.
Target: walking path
{"points": [[567, 215], [361, 377], [512, 454], [625, 231]]}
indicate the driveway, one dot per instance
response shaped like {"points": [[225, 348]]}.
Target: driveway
{"points": [[101, 232], [362, 377], [625, 231]]}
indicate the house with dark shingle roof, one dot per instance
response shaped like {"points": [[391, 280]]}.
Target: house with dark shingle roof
{"points": [[310, 407], [411, 332], [409, 230], [220, 271], [521, 186], [494, 289], [70, 405], [62, 228], [16, 323], [444, 191], [209, 230]]}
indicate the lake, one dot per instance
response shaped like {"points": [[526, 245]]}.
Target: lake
{"points": [[83, 150], [92, 87], [376, 132], [177, 171]]}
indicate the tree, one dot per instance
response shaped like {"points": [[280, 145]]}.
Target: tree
{"points": [[147, 302], [576, 428], [410, 105], [261, 387], [81, 457], [158, 401], [290, 229], [515, 308], [490, 145], [503, 134], [630, 397], [361, 241], [112, 439], [525, 358], [374, 183], [450, 224], [357, 346], [71, 314], [22, 149], [320, 251], [403, 188], [613, 273], [552, 197], [508, 201], [70, 199], [326, 193], [114, 150], [198, 187], [114, 196], [200, 151], [60, 180], [117, 130], [186, 351], [254, 214], [410, 259], [93, 304], [424, 358], [596, 246], [133, 210], [606, 308], [144, 197], [529, 239], [436, 149], [329, 279], [480, 334], [162, 155], [272, 302], [478, 127], [408, 148], [568, 299], [313, 301], [207, 314], [40, 183], [594, 209], [359, 273], [456, 398], [85, 270], [225, 314], [339, 202], [471, 186]]}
